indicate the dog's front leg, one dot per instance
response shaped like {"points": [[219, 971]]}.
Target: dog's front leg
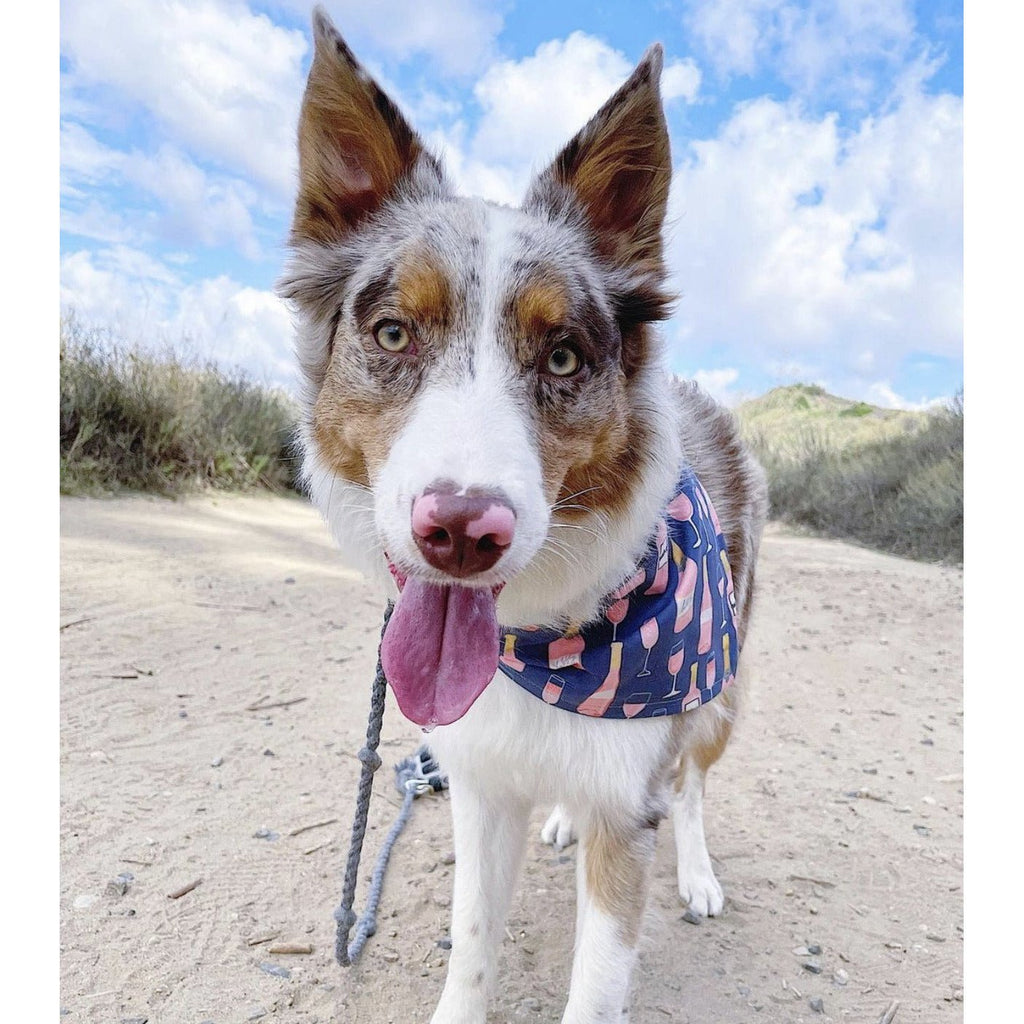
{"points": [[612, 879], [490, 833]]}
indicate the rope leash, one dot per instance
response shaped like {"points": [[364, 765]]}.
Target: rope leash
{"points": [[414, 776]]}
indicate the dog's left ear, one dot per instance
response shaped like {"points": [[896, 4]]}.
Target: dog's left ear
{"points": [[618, 168]]}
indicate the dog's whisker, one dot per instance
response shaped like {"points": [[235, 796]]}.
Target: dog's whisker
{"points": [[576, 494], [577, 526]]}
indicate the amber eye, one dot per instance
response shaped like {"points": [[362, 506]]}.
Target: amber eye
{"points": [[392, 336], [562, 361]]}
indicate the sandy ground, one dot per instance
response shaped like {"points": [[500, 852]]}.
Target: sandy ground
{"points": [[834, 820]]}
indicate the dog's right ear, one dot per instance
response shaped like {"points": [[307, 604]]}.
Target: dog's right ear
{"points": [[355, 148]]}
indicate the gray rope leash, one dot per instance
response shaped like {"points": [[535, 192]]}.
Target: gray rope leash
{"points": [[414, 776]]}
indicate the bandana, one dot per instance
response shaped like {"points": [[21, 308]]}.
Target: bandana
{"points": [[666, 642]]}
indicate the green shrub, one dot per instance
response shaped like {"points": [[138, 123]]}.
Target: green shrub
{"points": [[133, 421], [860, 409]]}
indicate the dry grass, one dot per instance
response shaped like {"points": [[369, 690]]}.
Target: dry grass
{"points": [[132, 421], [896, 484]]}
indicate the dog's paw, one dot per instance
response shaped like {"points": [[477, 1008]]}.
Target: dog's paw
{"points": [[700, 891], [558, 831]]}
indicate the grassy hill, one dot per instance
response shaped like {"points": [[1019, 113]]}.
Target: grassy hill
{"points": [[890, 479], [787, 418]]}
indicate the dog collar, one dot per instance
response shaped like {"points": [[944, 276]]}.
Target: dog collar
{"points": [[666, 642]]}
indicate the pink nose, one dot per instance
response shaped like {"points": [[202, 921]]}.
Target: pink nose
{"points": [[462, 534]]}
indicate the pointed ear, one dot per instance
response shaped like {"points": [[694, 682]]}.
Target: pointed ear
{"points": [[618, 168], [355, 148]]}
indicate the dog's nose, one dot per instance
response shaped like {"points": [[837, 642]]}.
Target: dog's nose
{"points": [[462, 534]]}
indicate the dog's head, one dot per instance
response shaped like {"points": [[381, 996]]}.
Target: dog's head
{"points": [[477, 376]]}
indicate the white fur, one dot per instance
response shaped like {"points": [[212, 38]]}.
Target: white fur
{"points": [[511, 751], [520, 752], [602, 963], [558, 830], [470, 418], [698, 886], [464, 429]]}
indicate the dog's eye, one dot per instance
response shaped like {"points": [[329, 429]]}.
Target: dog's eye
{"points": [[392, 336], [562, 361]]}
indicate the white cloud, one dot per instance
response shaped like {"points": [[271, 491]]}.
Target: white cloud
{"points": [[458, 34], [237, 326], [225, 82], [881, 393], [147, 304], [680, 80], [792, 240], [532, 107], [195, 206], [719, 384], [828, 48], [522, 120]]}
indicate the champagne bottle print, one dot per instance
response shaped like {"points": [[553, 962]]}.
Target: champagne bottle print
{"points": [[508, 656], [706, 613], [565, 652], [692, 698], [660, 582], [600, 700], [684, 596]]}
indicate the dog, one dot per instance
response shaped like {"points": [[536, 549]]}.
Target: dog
{"points": [[491, 433]]}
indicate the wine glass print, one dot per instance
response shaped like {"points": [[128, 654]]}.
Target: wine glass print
{"points": [[648, 637], [680, 508], [616, 613], [675, 663], [553, 689]]}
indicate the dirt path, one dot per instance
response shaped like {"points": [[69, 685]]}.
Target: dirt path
{"points": [[834, 820]]}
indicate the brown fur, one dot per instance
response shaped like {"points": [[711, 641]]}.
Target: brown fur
{"points": [[603, 476], [540, 307], [619, 168], [353, 428], [617, 866], [423, 292], [704, 753], [354, 145]]}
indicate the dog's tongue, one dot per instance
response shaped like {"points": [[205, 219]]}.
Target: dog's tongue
{"points": [[440, 650]]}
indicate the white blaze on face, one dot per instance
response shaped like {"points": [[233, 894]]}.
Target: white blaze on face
{"points": [[469, 427]]}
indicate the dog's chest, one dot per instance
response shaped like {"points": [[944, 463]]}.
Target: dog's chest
{"points": [[513, 741]]}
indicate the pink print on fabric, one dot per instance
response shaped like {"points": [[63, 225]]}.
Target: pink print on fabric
{"points": [[566, 651], [666, 641], [660, 584]]}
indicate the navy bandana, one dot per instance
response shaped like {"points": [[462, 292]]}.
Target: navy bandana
{"points": [[667, 640]]}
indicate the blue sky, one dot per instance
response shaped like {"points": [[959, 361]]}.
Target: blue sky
{"points": [[816, 224]]}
